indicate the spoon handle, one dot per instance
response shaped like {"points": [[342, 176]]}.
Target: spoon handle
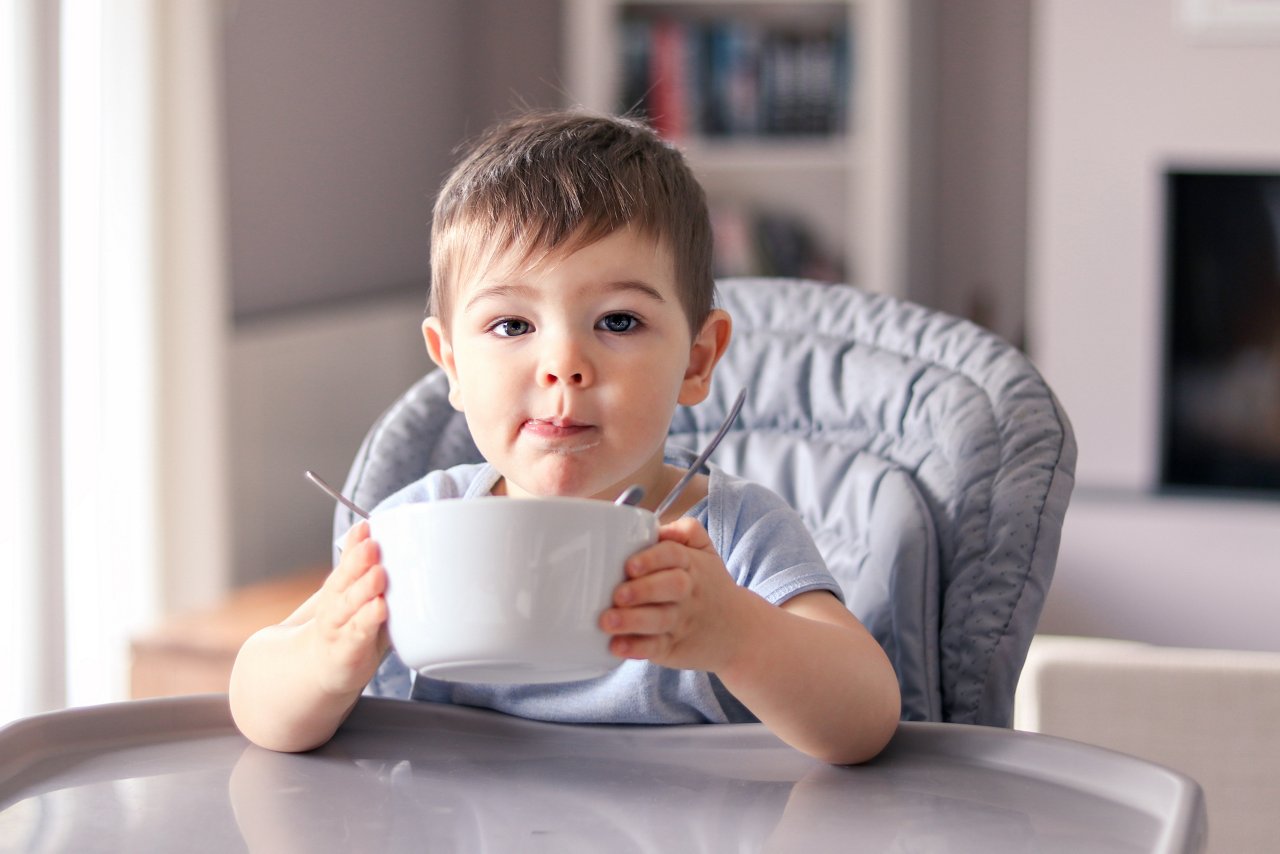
{"points": [[702, 457], [336, 495], [630, 496]]}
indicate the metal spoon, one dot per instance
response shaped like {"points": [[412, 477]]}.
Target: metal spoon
{"points": [[702, 457], [336, 495], [633, 494]]}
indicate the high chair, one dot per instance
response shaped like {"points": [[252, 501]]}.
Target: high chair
{"points": [[928, 458]]}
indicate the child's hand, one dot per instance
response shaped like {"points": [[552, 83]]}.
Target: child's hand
{"points": [[349, 629], [678, 605]]}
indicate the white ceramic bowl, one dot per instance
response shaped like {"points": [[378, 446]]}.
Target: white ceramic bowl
{"points": [[506, 590]]}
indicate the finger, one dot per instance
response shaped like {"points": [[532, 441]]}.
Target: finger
{"points": [[358, 532], [687, 531], [334, 611], [662, 587], [640, 646], [649, 620], [368, 587], [373, 582], [355, 562], [655, 558], [370, 616], [360, 643], [340, 602]]}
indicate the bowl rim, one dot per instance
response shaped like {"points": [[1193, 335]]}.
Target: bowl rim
{"points": [[540, 501]]}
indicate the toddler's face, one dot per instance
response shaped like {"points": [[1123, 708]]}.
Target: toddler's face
{"points": [[568, 372]]}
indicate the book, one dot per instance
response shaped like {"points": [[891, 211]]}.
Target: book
{"points": [[735, 77]]}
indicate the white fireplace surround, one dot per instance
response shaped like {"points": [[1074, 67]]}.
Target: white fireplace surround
{"points": [[1122, 93]]}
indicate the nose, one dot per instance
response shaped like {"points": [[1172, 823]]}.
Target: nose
{"points": [[565, 360]]}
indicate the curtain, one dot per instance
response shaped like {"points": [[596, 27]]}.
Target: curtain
{"points": [[114, 331], [30, 540]]}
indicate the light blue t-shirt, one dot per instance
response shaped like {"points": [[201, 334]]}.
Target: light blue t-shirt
{"points": [[764, 545]]}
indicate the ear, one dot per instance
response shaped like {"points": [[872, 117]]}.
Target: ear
{"points": [[708, 346], [441, 352]]}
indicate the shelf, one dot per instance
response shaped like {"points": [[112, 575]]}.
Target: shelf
{"points": [[806, 11], [846, 178], [736, 5], [787, 154], [192, 653]]}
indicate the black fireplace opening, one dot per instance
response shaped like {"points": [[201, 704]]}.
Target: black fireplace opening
{"points": [[1221, 360]]}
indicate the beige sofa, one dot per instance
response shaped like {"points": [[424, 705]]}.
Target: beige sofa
{"points": [[1211, 714]]}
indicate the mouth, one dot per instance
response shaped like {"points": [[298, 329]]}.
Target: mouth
{"points": [[557, 429]]}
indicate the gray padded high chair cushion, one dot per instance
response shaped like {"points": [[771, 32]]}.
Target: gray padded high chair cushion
{"points": [[927, 457]]}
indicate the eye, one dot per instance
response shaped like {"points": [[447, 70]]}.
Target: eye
{"points": [[618, 322], [511, 327]]}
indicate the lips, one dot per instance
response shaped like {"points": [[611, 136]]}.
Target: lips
{"points": [[556, 428]]}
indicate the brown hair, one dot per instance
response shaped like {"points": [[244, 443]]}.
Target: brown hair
{"points": [[548, 182]]}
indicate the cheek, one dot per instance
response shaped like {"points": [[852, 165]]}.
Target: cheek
{"points": [[652, 403], [488, 389]]}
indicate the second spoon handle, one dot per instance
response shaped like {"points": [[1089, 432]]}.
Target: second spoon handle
{"points": [[336, 495], [702, 457]]}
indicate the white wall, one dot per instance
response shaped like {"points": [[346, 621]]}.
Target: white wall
{"points": [[305, 388], [980, 189], [1181, 572], [341, 120], [1121, 92]]}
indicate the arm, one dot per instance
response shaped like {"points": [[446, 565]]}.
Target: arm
{"points": [[294, 683], [807, 669]]}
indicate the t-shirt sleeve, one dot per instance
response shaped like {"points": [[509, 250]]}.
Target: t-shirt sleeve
{"points": [[765, 544]]}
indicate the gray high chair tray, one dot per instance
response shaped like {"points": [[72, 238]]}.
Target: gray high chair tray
{"points": [[175, 775]]}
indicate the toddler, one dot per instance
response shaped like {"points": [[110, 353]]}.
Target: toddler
{"points": [[572, 309]]}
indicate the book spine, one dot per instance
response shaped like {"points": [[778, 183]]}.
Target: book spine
{"points": [[736, 77], [668, 72], [635, 41]]}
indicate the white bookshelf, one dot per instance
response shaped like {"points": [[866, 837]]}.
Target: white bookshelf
{"points": [[852, 188]]}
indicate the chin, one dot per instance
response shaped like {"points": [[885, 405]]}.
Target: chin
{"points": [[571, 489], [563, 479]]}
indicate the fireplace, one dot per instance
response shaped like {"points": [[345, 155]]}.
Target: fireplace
{"points": [[1220, 419]]}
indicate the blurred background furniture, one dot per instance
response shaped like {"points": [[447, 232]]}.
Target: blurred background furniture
{"points": [[927, 457], [1213, 715], [192, 652], [803, 121]]}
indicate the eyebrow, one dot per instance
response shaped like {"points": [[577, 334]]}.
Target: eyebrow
{"points": [[501, 289], [507, 289], [634, 285]]}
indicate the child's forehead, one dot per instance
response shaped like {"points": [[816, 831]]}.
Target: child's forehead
{"points": [[623, 251]]}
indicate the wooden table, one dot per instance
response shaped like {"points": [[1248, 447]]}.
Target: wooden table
{"points": [[192, 652]]}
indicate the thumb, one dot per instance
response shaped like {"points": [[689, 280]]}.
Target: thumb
{"points": [[687, 531]]}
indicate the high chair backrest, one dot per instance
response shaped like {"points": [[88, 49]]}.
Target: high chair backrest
{"points": [[927, 456]]}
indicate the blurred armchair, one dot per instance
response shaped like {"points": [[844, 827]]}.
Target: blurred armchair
{"points": [[1211, 714]]}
